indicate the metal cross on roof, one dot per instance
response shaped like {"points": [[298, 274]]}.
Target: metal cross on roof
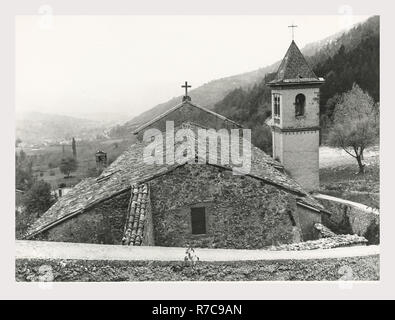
{"points": [[293, 27], [186, 86]]}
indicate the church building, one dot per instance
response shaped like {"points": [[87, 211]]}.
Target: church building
{"points": [[189, 203]]}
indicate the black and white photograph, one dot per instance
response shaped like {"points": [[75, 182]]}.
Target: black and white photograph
{"points": [[152, 148], [196, 148]]}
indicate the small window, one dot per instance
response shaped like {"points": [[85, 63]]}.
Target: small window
{"points": [[198, 219], [300, 101], [276, 105]]}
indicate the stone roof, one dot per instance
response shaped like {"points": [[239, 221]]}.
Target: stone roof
{"points": [[131, 168], [137, 213], [294, 69]]}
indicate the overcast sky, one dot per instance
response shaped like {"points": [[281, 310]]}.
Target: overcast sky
{"points": [[84, 64]]}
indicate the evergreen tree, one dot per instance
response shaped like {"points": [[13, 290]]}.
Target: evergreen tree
{"points": [[73, 146], [38, 199], [23, 171]]}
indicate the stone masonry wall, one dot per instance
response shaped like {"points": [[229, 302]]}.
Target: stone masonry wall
{"points": [[104, 224], [241, 212], [351, 268], [148, 232]]}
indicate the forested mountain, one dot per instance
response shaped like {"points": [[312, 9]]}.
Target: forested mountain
{"points": [[361, 65], [341, 59], [250, 108], [321, 50], [353, 57]]}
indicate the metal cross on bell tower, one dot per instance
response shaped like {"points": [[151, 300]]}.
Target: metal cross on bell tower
{"points": [[293, 27], [186, 86]]}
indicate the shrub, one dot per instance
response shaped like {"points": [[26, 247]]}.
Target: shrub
{"points": [[38, 199], [68, 165]]}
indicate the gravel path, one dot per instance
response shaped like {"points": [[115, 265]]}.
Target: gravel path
{"points": [[62, 250]]}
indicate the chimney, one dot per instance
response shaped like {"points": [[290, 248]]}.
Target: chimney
{"points": [[101, 160]]}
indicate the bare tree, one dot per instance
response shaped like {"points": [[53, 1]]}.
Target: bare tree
{"points": [[355, 124]]}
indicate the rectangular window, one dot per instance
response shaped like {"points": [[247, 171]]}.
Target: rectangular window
{"points": [[276, 105], [198, 219]]}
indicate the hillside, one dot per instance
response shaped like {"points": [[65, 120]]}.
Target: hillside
{"points": [[328, 47], [36, 127], [206, 95], [214, 91]]}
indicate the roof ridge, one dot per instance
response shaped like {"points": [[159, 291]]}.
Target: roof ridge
{"points": [[162, 115]]}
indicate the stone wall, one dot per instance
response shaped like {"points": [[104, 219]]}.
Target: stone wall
{"points": [[349, 268], [104, 223], [148, 231], [241, 212], [348, 219]]}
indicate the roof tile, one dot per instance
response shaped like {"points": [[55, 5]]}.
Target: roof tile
{"points": [[134, 227], [294, 68]]}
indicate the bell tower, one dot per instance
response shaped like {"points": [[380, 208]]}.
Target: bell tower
{"points": [[295, 118]]}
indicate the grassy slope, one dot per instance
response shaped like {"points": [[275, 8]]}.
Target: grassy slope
{"points": [[339, 176]]}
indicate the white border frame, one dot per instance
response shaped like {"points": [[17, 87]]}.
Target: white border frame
{"points": [[10, 289]]}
